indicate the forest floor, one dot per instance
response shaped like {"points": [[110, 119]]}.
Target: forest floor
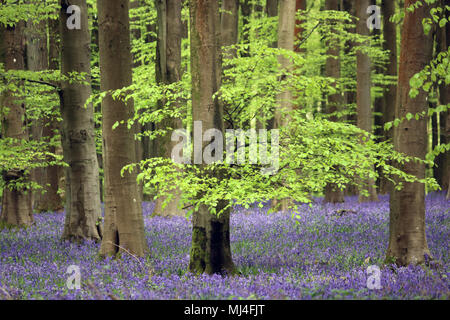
{"points": [[322, 253]]}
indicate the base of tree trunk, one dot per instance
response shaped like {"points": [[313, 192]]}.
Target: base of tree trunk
{"points": [[170, 210], [281, 205], [16, 208], [333, 195], [210, 250], [372, 197]]}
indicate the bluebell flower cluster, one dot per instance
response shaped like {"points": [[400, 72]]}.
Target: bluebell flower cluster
{"points": [[312, 254]]}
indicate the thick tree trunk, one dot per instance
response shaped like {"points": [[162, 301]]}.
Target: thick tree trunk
{"points": [[210, 251], [363, 97], [168, 70], [124, 223], [16, 202], [83, 211], [335, 101], [407, 240], [286, 29]]}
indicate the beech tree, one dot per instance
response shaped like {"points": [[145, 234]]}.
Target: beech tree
{"points": [[363, 96], [168, 71], [407, 240], [124, 223], [17, 198], [335, 101], [286, 29], [390, 96], [37, 60], [210, 249], [82, 192], [51, 200]]}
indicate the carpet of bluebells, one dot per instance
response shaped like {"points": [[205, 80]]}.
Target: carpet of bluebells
{"points": [[316, 254]]}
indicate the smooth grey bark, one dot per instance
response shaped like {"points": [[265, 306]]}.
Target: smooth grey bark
{"points": [[407, 238], [83, 212], [210, 249], [286, 29], [124, 222], [363, 96], [168, 71]]}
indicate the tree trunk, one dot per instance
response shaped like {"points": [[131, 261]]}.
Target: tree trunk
{"points": [[46, 128], [16, 202], [363, 97], [51, 200], [286, 28], [299, 30], [333, 70], [37, 60], [82, 176], [246, 10], [407, 240], [229, 22], [124, 223], [272, 11], [168, 71], [210, 251], [390, 96], [442, 161], [350, 92]]}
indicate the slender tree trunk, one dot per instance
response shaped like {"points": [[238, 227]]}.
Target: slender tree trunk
{"points": [[46, 128], [407, 240], [363, 97], [210, 251], [246, 10], [299, 30], [333, 69], [51, 200], [390, 96], [16, 201], [286, 28], [229, 22], [272, 11], [350, 92], [442, 161], [124, 223], [37, 60], [136, 34], [82, 176], [169, 71]]}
